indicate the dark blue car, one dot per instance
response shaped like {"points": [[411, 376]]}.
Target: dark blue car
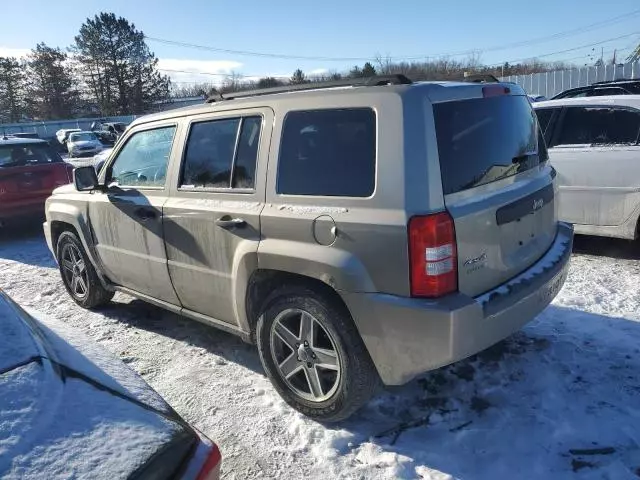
{"points": [[68, 409]]}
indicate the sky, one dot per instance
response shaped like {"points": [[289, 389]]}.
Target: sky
{"points": [[336, 34]]}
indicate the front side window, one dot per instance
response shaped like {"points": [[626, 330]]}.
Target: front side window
{"points": [[328, 153], [544, 117], [143, 160], [599, 126], [222, 154]]}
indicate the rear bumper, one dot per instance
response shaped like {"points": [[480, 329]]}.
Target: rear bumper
{"points": [[24, 212], [406, 336]]}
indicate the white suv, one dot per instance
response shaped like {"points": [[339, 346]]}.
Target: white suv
{"points": [[594, 146]]}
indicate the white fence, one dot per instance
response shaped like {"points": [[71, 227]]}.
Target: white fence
{"points": [[552, 83], [48, 129]]}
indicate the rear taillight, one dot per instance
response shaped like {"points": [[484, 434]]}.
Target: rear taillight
{"points": [[211, 468], [433, 256]]}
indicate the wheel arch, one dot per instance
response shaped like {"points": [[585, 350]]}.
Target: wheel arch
{"points": [[64, 217], [264, 281]]}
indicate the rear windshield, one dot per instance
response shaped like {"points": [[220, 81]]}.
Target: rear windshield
{"points": [[484, 140], [22, 155]]}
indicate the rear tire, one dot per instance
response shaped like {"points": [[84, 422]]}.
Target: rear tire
{"points": [[313, 354], [78, 275]]}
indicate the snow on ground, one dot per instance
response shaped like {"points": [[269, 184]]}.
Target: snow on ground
{"points": [[561, 399]]}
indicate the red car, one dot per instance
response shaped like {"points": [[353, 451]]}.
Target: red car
{"points": [[29, 171]]}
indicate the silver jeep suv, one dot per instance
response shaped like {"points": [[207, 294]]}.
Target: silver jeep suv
{"points": [[358, 232]]}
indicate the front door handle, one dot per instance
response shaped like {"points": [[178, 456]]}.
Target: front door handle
{"points": [[145, 213], [228, 222]]}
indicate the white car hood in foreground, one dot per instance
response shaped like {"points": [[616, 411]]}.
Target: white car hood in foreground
{"points": [[68, 409]]}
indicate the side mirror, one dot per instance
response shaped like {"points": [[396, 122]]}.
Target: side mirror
{"points": [[85, 178]]}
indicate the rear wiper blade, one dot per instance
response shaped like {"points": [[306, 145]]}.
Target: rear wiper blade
{"points": [[523, 158]]}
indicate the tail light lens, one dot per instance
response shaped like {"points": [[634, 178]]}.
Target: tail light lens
{"points": [[433, 255], [211, 468]]}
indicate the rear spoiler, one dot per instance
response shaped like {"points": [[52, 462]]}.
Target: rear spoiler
{"points": [[480, 78]]}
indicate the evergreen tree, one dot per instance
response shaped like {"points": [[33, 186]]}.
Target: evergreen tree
{"points": [[298, 77], [50, 86], [119, 69], [12, 104], [368, 70]]}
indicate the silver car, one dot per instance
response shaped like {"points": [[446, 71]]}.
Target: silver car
{"points": [[83, 143], [594, 146], [359, 232]]}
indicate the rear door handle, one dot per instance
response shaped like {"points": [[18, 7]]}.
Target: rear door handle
{"points": [[228, 222], [145, 213]]}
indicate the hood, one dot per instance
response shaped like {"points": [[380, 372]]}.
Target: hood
{"points": [[68, 405], [69, 188]]}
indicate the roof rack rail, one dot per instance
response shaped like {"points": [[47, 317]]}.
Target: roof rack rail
{"points": [[373, 81], [621, 80], [480, 78]]}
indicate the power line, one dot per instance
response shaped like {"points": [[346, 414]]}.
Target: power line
{"points": [[564, 51], [503, 46], [554, 36], [545, 55]]}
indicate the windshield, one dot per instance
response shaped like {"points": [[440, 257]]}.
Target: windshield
{"points": [[484, 140], [31, 154], [82, 137]]}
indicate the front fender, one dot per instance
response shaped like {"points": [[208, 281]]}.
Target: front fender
{"points": [[76, 216], [339, 269]]}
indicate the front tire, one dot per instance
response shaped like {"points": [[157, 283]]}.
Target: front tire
{"points": [[313, 354], [78, 275]]}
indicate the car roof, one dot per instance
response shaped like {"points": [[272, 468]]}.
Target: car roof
{"points": [[437, 91], [8, 140], [599, 85], [621, 100], [622, 81]]}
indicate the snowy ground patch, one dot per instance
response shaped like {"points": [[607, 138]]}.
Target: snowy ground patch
{"points": [[559, 399]]}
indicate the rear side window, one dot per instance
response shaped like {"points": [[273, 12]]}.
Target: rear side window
{"points": [[328, 153], [27, 154], [484, 140], [222, 153], [600, 92], [599, 125]]}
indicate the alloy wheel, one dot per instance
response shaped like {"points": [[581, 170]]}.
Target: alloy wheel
{"points": [[305, 355], [75, 271]]}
